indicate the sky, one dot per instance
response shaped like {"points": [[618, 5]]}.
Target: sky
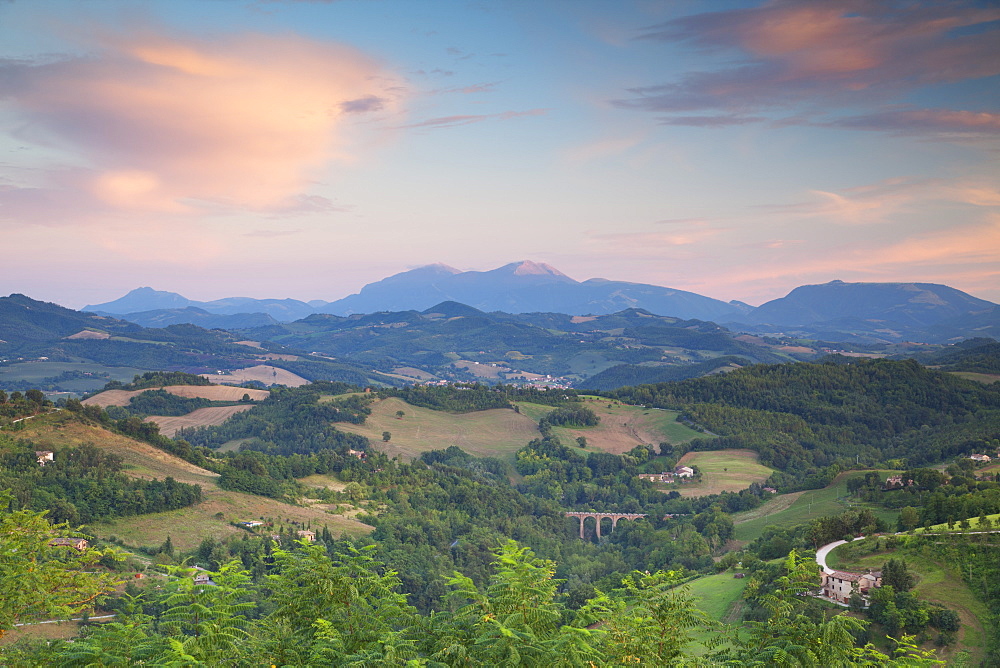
{"points": [[269, 148]]}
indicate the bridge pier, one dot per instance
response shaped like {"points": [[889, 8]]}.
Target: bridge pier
{"points": [[582, 517]]}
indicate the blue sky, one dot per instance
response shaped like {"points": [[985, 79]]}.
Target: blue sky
{"points": [[303, 149]]}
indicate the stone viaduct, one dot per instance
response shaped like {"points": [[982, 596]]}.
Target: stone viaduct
{"points": [[600, 516]]}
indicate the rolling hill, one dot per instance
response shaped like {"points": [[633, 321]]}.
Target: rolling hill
{"points": [[81, 352], [187, 527]]}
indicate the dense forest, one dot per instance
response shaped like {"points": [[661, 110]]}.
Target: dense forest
{"points": [[804, 418]]}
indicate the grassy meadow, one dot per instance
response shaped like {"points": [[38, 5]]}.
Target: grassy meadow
{"points": [[788, 510], [498, 432], [622, 427], [722, 471], [719, 596], [985, 378]]}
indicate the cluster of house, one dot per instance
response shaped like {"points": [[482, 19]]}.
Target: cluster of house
{"points": [[839, 585], [669, 476], [895, 481], [982, 458], [303, 534], [75, 543]]}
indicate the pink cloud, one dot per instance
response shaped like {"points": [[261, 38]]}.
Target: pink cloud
{"points": [[819, 55], [923, 121], [880, 202], [170, 124]]}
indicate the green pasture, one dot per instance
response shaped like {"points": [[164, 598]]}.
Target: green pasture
{"points": [[973, 525], [720, 598], [788, 510], [722, 471]]}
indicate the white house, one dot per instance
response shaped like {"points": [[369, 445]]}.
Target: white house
{"points": [[666, 476], [839, 585], [684, 472]]}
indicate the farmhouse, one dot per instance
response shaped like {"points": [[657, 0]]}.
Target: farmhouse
{"points": [[684, 472], [896, 481], [75, 543], [250, 524], [770, 490], [839, 585], [666, 476], [306, 535], [980, 458], [44, 456], [202, 577]]}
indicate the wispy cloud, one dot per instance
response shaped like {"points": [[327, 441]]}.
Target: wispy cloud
{"points": [[814, 57], [468, 119], [941, 122], [880, 202]]}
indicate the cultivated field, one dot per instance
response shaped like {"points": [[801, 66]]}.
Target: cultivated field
{"points": [[210, 392], [264, 373], [202, 417], [412, 372], [621, 428], [494, 433], [722, 471], [186, 526], [480, 370]]}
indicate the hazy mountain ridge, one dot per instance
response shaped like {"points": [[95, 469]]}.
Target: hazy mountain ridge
{"points": [[51, 343], [835, 311]]}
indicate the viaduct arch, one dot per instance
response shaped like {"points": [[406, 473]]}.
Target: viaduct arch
{"points": [[582, 516]]}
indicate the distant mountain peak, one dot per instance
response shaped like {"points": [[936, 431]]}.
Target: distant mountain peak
{"points": [[441, 266], [529, 268]]}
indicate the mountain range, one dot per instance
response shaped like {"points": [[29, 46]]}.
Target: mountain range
{"points": [[835, 311]]}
